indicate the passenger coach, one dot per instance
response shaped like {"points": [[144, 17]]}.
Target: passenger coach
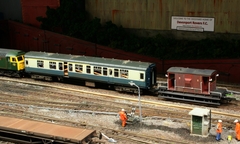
{"points": [[115, 72]]}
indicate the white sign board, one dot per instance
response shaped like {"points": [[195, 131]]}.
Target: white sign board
{"points": [[199, 24]]}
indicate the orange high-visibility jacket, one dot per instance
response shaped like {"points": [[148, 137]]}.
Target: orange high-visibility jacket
{"points": [[123, 115], [219, 127], [237, 128]]}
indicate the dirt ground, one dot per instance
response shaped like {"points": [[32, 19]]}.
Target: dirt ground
{"points": [[167, 129]]}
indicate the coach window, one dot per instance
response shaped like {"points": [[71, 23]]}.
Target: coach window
{"points": [[124, 73], [104, 71], [141, 76], [70, 67], [78, 68], [52, 65], [88, 69], [60, 66], [116, 72], [39, 63], [97, 70]]}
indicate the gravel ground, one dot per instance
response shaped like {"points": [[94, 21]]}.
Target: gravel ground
{"points": [[159, 128], [168, 128]]}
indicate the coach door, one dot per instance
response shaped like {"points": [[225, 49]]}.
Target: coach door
{"points": [[153, 78], [65, 68], [110, 75]]}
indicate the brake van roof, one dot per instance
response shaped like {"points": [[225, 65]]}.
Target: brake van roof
{"points": [[87, 59], [202, 72]]}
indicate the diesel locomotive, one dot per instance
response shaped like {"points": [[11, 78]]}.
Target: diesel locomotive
{"points": [[186, 84], [11, 62]]}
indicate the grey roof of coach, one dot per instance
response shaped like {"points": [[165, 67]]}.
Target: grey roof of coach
{"points": [[88, 59]]}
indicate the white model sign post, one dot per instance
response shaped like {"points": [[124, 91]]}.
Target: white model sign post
{"points": [[199, 24]]}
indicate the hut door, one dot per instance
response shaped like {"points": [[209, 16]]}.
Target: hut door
{"points": [[65, 68], [196, 125]]}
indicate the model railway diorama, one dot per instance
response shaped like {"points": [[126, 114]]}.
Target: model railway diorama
{"points": [[185, 84]]}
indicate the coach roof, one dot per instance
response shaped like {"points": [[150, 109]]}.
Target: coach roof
{"points": [[202, 72], [87, 59]]}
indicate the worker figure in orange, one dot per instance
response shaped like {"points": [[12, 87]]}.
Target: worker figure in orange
{"points": [[237, 130], [219, 130], [123, 117]]}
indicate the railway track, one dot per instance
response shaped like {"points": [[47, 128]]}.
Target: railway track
{"points": [[114, 102], [122, 135], [46, 102], [109, 96]]}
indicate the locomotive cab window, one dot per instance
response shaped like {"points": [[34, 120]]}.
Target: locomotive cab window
{"points": [[141, 76], [26, 62], [14, 60], [52, 65], [124, 73], [39, 63], [20, 58], [97, 70]]}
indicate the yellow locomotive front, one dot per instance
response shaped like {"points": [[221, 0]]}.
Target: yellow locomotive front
{"points": [[20, 63], [12, 62], [16, 63]]}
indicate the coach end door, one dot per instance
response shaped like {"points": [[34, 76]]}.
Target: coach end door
{"points": [[65, 69]]}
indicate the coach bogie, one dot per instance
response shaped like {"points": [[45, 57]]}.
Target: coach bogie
{"points": [[90, 84], [41, 77], [60, 79], [127, 89]]}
